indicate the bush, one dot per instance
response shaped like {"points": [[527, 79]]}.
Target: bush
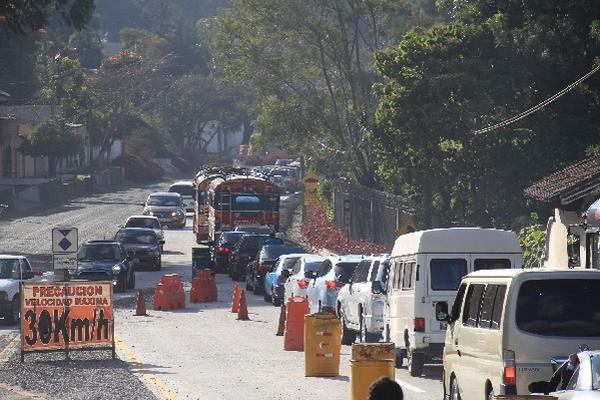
{"points": [[533, 242], [138, 169]]}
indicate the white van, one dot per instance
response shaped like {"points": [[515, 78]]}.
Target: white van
{"points": [[425, 272], [507, 326]]}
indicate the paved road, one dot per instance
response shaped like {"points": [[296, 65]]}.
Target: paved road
{"points": [[200, 352], [96, 217], [203, 352]]}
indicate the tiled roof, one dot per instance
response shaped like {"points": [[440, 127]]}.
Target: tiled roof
{"points": [[580, 174]]}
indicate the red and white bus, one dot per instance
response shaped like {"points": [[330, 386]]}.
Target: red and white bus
{"points": [[241, 200]]}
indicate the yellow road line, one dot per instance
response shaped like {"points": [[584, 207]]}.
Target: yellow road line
{"points": [[20, 392], [5, 351], [4, 354], [141, 369]]}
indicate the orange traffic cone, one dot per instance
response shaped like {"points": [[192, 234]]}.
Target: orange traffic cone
{"points": [[281, 326], [235, 302], [243, 310], [140, 308]]}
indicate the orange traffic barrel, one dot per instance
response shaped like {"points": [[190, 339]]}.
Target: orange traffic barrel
{"points": [[322, 345], [293, 335]]}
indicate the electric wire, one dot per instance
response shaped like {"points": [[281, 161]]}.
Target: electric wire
{"points": [[538, 107]]}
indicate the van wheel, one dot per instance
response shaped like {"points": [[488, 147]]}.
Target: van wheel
{"points": [[415, 363], [490, 393], [399, 360], [348, 336], [454, 392]]}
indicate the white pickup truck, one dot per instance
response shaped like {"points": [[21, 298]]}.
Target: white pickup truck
{"points": [[13, 270]]}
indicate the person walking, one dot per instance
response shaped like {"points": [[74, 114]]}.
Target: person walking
{"points": [[385, 389]]}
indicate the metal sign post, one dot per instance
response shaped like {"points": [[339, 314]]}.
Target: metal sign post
{"points": [[65, 243]]}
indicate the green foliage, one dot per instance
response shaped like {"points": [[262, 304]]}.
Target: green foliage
{"points": [[444, 82], [311, 64], [533, 242], [24, 16], [146, 44], [54, 139], [86, 46]]}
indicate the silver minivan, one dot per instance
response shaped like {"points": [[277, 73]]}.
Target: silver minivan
{"points": [[506, 326]]}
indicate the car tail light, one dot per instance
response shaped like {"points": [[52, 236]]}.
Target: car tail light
{"points": [[222, 250], [263, 267], [302, 283], [419, 324], [509, 375], [334, 284], [281, 279]]}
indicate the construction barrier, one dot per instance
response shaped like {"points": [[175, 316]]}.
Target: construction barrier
{"points": [[293, 336], [370, 362], [322, 345], [169, 293], [204, 287], [281, 324], [140, 308], [235, 298], [243, 308]]}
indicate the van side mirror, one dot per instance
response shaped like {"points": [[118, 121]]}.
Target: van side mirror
{"points": [[441, 311], [310, 274], [540, 387], [285, 273]]}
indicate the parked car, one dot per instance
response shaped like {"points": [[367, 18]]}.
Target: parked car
{"points": [[334, 273], [360, 303], [187, 191], [167, 207], [147, 221], [106, 260], [259, 229], [13, 270], [243, 253], [583, 382], [224, 246], [274, 280], [142, 247], [426, 270], [256, 271], [304, 270], [506, 326]]}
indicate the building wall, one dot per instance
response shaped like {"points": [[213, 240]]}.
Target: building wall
{"points": [[222, 140], [557, 255]]}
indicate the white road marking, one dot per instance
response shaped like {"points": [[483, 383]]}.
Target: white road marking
{"points": [[410, 387]]}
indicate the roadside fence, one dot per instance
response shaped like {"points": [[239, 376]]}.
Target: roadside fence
{"points": [[368, 214]]}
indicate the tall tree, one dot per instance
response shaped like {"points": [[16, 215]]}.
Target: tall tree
{"points": [[493, 60], [25, 16], [311, 62]]}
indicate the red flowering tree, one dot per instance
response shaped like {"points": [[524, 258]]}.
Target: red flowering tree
{"points": [[321, 233]]}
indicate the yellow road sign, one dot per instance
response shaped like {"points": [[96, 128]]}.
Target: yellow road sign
{"points": [[311, 181], [310, 199]]}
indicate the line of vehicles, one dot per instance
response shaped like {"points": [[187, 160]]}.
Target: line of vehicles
{"points": [[456, 296]]}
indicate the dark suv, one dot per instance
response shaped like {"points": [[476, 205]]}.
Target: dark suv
{"points": [[105, 260], [142, 246], [225, 244], [257, 269], [244, 252]]}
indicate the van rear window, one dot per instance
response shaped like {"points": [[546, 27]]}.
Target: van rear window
{"points": [[560, 307], [446, 273], [491, 263]]}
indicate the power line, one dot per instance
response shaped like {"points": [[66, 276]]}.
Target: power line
{"points": [[541, 105]]}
